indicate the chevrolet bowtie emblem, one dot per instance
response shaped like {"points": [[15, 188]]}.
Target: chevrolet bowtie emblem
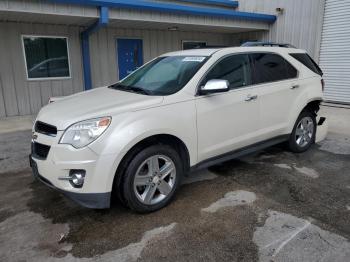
{"points": [[34, 136]]}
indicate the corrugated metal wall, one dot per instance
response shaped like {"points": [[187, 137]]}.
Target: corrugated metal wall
{"points": [[155, 42], [300, 24], [335, 51], [44, 6], [18, 96]]}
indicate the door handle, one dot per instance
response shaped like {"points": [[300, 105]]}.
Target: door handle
{"points": [[294, 86], [250, 98]]}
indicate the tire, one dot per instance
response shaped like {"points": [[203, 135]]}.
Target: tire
{"points": [[151, 178], [302, 138]]}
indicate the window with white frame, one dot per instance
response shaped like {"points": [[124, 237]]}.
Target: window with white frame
{"points": [[46, 57]]}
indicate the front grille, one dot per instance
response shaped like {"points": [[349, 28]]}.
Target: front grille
{"points": [[40, 151], [46, 129]]}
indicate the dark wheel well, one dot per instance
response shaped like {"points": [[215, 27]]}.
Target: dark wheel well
{"points": [[164, 139], [313, 106]]}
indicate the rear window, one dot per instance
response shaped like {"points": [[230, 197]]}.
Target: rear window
{"points": [[307, 61], [271, 68]]}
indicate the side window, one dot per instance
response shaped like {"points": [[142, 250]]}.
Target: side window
{"points": [[235, 69], [291, 71], [271, 68]]}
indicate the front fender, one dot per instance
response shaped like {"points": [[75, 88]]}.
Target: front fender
{"points": [[126, 130]]}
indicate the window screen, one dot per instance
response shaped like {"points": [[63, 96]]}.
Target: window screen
{"points": [[307, 61], [271, 68], [235, 69], [46, 57]]}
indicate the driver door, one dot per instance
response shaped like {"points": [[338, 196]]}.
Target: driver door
{"points": [[230, 120]]}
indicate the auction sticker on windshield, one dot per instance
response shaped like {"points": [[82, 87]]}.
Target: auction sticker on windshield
{"points": [[194, 59]]}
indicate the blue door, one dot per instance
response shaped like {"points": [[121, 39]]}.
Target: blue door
{"points": [[130, 56]]}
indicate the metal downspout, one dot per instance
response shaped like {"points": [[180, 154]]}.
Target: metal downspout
{"points": [[85, 45]]}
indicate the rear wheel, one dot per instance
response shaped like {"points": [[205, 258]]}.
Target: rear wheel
{"points": [[151, 178], [304, 132]]}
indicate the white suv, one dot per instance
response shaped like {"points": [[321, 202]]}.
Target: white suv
{"points": [[182, 111]]}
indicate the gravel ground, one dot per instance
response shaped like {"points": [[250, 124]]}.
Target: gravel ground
{"points": [[270, 206]]}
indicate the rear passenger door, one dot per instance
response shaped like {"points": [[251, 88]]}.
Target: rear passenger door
{"points": [[276, 79]]}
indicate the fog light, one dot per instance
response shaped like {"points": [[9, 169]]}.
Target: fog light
{"points": [[77, 178]]}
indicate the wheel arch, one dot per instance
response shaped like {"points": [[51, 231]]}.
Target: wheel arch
{"points": [[313, 105], [166, 139]]}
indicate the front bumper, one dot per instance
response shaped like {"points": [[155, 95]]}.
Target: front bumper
{"points": [[51, 162], [89, 200]]}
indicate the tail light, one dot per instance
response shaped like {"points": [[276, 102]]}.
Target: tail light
{"points": [[322, 83]]}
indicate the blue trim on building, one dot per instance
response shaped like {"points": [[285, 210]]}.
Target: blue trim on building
{"points": [[227, 3], [85, 45], [175, 8]]}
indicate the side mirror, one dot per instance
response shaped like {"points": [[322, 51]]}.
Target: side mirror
{"points": [[215, 86]]}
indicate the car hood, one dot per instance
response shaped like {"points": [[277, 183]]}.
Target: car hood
{"points": [[98, 102]]}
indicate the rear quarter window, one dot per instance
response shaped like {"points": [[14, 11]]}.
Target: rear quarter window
{"points": [[307, 61]]}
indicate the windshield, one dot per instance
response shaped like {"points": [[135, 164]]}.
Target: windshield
{"points": [[162, 76]]}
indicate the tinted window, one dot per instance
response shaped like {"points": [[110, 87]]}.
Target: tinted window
{"points": [[46, 57], [307, 61], [291, 71], [271, 68], [235, 69]]}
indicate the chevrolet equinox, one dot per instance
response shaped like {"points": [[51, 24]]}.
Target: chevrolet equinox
{"points": [[181, 111]]}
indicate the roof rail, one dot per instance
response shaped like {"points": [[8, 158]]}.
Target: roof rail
{"points": [[250, 44], [210, 46]]}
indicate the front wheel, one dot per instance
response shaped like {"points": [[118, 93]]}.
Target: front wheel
{"points": [[304, 132], [151, 178]]}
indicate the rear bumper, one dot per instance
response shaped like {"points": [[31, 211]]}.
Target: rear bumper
{"points": [[322, 129], [89, 200]]}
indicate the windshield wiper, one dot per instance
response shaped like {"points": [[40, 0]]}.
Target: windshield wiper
{"points": [[134, 89]]}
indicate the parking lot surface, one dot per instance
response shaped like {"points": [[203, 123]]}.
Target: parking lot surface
{"points": [[270, 206]]}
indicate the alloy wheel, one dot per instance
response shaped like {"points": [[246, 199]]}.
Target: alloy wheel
{"points": [[154, 179], [304, 131]]}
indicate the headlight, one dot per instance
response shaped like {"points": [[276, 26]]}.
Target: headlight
{"points": [[85, 132]]}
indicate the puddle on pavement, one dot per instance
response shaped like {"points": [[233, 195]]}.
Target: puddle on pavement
{"points": [[285, 166], [34, 236], [309, 172], [231, 199]]}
